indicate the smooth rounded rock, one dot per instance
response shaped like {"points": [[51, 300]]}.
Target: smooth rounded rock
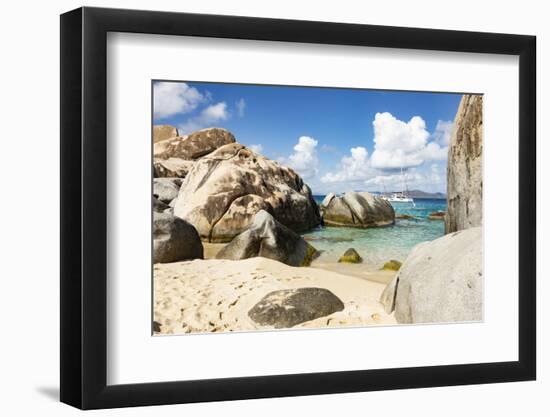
{"points": [[268, 238], [350, 256], [174, 239], [357, 209], [441, 281], [287, 308]]}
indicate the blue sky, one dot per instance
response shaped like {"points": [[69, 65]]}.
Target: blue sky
{"points": [[337, 139]]}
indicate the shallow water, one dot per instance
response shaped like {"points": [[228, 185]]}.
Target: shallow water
{"points": [[378, 245]]}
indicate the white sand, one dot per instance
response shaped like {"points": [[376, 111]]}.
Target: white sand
{"points": [[216, 295]]}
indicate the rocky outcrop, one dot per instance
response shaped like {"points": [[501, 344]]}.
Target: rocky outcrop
{"points": [[436, 215], [175, 156], [268, 238], [171, 168], [405, 217], [464, 170], [441, 281], [193, 146], [163, 132], [357, 209], [166, 189], [174, 239], [224, 190], [350, 257], [328, 198], [287, 308]]}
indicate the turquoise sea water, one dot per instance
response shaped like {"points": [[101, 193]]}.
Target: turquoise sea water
{"points": [[378, 245]]}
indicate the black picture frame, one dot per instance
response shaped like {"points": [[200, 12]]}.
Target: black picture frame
{"points": [[84, 207]]}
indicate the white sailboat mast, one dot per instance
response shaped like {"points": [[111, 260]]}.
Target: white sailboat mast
{"points": [[403, 186]]}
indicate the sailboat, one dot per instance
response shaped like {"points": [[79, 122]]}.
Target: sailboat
{"points": [[401, 197]]}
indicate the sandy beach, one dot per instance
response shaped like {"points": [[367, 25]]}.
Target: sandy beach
{"points": [[215, 295]]}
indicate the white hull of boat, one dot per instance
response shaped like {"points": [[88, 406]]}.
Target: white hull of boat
{"points": [[400, 200]]}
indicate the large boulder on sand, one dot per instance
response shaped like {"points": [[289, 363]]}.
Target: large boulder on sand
{"points": [[287, 308], [268, 238], [193, 146], [464, 172], [163, 132], [357, 209], [441, 281], [174, 239], [224, 190], [166, 189]]}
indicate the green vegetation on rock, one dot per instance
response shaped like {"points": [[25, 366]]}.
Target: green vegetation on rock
{"points": [[392, 265], [311, 252]]}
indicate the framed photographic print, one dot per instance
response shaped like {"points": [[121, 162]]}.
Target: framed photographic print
{"points": [[258, 207]]}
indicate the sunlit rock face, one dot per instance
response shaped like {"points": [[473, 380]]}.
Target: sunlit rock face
{"points": [[464, 167]]}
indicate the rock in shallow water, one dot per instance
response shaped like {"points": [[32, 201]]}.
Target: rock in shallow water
{"points": [[355, 209], [392, 265], [268, 238], [351, 257], [174, 239], [287, 308], [436, 215], [441, 281]]}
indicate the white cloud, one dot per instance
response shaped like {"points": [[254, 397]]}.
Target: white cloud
{"points": [[355, 167], [434, 152], [212, 114], [394, 182], [443, 131], [399, 144], [429, 178], [256, 148], [171, 98], [215, 112], [304, 159], [241, 106]]}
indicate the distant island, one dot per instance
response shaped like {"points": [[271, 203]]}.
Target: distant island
{"points": [[424, 194], [411, 193]]}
